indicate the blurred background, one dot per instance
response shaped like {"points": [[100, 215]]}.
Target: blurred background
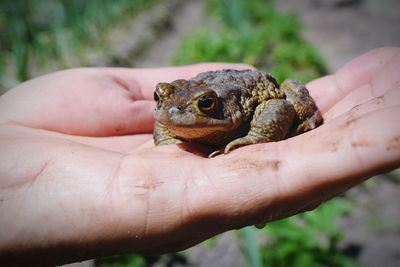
{"points": [[298, 39]]}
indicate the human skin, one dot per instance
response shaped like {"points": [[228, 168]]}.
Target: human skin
{"points": [[80, 176]]}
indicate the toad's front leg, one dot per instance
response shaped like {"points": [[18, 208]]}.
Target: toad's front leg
{"points": [[163, 136], [271, 121]]}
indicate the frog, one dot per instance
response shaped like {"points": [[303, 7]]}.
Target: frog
{"points": [[228, 109]]}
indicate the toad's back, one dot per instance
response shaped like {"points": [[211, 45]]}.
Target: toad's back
{"points": [[256, 86]]}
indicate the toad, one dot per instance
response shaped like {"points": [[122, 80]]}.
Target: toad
{"points": [[227, 109]]}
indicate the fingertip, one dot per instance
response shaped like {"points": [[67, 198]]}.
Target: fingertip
{"points": [[360, 70], [323, 90], [328, 90]]}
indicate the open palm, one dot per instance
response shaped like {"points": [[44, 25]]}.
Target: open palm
{"points": [[81, 177]]}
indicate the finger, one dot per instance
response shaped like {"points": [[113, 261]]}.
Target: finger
{"points": [[360, 70], [79, 102], [363, 100], [383, 88], [322, 91], [279, 178], [327, 91]]}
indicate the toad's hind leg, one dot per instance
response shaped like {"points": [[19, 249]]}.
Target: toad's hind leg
{"points": [[308, 116], [271, 122]]}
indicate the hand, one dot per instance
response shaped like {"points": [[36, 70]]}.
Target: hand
{"points": [[81, 178]]}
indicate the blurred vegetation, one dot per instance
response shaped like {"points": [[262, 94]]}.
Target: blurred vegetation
{"points": [[253, 32], [309, 239], [47, 32], [33, 33], [127, 260]]}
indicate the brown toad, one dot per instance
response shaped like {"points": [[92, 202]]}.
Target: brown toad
{"points": [[232, 108]]}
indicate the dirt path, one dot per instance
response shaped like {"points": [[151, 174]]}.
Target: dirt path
{"points": [[151, 38], [342, 30], [189, 17]]}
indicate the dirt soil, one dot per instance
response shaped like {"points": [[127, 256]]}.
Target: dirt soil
{"points": [[344, 29]]}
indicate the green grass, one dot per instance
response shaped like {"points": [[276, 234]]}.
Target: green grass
{"points": [[40, 32], [253, 32]]}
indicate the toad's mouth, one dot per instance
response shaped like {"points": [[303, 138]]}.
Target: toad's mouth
{"points": [[193, 126], [196, 132]]}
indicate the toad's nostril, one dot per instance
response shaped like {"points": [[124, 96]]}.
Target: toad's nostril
{"points": [[173, 110]]}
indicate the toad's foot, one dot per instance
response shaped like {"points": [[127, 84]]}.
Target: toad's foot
{"points": [[311, 123], [244, 141]]}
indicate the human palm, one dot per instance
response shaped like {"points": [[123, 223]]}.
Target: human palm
{"points": [[81, 177]]}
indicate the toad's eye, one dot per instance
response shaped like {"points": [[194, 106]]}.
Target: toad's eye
{"points": [[156, 97], [207, 104]]}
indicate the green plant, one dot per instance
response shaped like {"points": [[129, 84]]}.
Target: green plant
{"points": [[309, 239], [127, 260], [33, 33], [254, 33]]}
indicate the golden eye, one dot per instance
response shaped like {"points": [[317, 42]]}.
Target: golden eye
{"points": [[207, 104]]}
